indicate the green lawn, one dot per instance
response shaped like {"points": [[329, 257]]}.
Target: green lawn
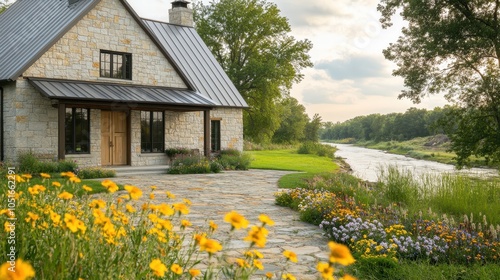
{"points": [[289, 160]]}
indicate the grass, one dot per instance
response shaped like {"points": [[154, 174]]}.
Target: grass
{"points": [[290, 160]]}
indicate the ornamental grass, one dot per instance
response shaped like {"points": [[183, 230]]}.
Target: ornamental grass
{"points": [[57, 235]]}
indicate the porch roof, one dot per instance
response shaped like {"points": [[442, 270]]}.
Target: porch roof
{"points": [[134, 95]]}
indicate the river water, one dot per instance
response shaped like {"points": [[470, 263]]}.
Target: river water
{"points": [[367, 163]]}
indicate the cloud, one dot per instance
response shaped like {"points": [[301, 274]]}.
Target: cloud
{"points": [[355, 67]]}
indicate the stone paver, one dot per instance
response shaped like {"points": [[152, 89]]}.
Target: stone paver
{"points": [[250, 193]]}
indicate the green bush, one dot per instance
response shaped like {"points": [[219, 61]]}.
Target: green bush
{"points": [[234, 161], [190, 165], [317, 149], [95, 172], [29, 162], [172, 152]]}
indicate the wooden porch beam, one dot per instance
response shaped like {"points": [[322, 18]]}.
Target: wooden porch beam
{"points": [[61, 150], [206, 132]]}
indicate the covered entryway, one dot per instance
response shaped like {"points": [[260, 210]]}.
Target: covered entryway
{"points": [[114, 141]]}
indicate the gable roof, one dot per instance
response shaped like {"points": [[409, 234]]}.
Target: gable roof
{"points": [[196, 62], [39, 24]]}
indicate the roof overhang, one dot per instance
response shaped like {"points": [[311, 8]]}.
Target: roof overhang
{"points": [[135, 97]]}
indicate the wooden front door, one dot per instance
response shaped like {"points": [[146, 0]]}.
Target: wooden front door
{"points": [[113, 138]]}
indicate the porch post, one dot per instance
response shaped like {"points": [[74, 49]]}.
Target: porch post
{"points": [[206, 132], [61, 151]]}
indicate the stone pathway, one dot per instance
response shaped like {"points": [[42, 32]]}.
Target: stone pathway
{"points": [[250, 193]]}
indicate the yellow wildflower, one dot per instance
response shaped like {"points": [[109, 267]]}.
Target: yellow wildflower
{"points": [[266, 220], [194, 272], [19, 179], [65, 195], [269, 275], [158, 267], [213, 226], [75, 179], [181, 208], [347, 277], [170, 195], [288, 276], [97, 203], [185, 223], [23, 271], [130, 208], [242, 263], [209, 245], [109, 185], [87, 188], [45, 175], [258, 264], [257, 235], [68, 174], [236, 220], [56, 184], [135, 192], [339, 253], [166, 209], [326, 271], [27, 176], [291, 256], [177, 269]]}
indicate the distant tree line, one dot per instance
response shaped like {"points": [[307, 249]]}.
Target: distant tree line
{"points": [[395, 126]]}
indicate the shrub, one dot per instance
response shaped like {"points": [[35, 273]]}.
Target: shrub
{"points": [[173, 152], [30, 162], [95, 172], [190, 165], [317, 149], [240, 161]]}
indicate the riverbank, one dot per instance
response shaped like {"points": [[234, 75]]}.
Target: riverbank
{"points": [[433, 148]]}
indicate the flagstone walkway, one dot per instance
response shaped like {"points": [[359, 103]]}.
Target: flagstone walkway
{"points": [[250, 193]]}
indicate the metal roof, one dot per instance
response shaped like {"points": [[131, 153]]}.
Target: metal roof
{"points": [[91, 91], [30, 27], [196, 62]]}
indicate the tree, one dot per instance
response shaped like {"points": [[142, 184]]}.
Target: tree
{"points": [[312, 129], [293, 122], [452, 47], [250, 39], [4, 4]]}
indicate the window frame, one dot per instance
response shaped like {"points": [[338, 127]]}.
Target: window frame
{"points": [[73, 125], [151, 134], [215, 136], [126, 65]]}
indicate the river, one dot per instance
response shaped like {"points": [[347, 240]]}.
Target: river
{"points": [[367, 163]]}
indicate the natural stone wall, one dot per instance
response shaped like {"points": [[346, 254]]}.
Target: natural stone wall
{"points": [[107, 27], [186, 129], [30, 122], [181, 16]]}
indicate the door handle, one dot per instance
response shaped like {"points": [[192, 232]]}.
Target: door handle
{"points": [[111, 143]]}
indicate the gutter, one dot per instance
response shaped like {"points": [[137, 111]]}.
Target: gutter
{"points": [[2, 156]]}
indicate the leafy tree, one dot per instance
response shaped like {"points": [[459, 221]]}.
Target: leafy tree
{"points": [[312, 129], [293, 122], [452, 47], [251, 41]]}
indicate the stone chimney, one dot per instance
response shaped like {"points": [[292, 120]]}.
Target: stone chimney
{"points": [[180, 13]]}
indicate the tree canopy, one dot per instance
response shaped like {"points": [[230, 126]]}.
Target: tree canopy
{"points": [[4, 5], [452, 47], [251, 41]]}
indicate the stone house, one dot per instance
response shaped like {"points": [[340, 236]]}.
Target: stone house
{"points": [[91, 81]]}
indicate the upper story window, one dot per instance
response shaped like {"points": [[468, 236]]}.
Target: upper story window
{"points": [[116, 65]]}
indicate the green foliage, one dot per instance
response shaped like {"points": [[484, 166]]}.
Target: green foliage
{"points": [[172, 152], [294, 121], [4, 4], [240, 161], [452, 47], [190, 165], [312, 129], [321, 150], [251, 40], [95, 172], [29, 162]]}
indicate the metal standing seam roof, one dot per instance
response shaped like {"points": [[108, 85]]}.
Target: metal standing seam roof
{"points": [[37, 25], [196, 62], [91, 91]]}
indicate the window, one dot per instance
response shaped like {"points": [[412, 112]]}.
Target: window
{"points": [[215, 136], [152, 132], [116, 65], [77, 131]]}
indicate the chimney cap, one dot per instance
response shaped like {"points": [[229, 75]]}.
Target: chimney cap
{"points": [[180, 4]]}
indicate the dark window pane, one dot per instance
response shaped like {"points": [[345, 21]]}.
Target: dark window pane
{"points": [[116, 65], [152, 132], [77, 130], [215, 136]]}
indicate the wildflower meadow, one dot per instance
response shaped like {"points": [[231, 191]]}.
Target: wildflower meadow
{"points": [[121, 234]]}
